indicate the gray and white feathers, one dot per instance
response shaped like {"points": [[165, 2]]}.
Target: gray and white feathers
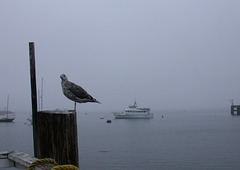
{"points": [[75, 92]]}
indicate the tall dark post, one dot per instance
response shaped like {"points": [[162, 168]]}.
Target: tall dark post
{"points": [[33, 93]]}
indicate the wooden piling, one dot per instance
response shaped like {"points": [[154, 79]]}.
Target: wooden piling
{"points": [[33, 94], [57, 137]]}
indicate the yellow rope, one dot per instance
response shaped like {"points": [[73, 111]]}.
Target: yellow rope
{"points": [[41, 161], [53, 162], [65, 167]]}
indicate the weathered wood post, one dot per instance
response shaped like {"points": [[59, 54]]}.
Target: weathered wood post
{"points": [[33, 95], [232, 110], [58, 137], [54, 132]]}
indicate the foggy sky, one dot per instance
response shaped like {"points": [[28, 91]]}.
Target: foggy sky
{"points": [[167, 54]]}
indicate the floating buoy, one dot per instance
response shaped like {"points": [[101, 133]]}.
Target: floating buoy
{"points": [[109, 121]]}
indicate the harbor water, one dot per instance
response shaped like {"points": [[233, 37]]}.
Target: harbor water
{"points": [[178, 140]]}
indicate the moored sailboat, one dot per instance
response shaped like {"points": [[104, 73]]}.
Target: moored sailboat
{"points": [[6, 115]]}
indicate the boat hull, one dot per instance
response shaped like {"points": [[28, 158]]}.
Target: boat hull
{"points": [[130, 116], [6, 120]]}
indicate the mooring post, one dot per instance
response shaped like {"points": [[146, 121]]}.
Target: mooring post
{"points": [[57, 136], [33, 94], [232, 110]]}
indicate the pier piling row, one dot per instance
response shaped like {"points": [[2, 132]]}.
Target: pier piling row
{"points": [[235, 110]]}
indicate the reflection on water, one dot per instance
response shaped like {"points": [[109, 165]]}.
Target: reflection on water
{"points": [[176, 141]]}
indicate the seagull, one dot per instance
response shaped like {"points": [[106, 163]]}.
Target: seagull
{"points": [[75, 93]]}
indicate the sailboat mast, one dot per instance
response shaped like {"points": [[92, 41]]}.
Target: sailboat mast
{"points": [[40, 107], [39, 100], [42, 95], [7, 102]]}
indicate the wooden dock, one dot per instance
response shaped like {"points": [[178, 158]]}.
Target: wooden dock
{"points": [[235, 109], [23, 161], [15, 160]]}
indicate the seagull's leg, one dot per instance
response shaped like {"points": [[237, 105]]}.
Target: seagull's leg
{"points": [[75, 106]]}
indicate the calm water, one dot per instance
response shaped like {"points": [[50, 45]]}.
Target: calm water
{"points": [[180, 140]]}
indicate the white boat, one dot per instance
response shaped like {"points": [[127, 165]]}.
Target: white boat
{"points": [[6, 115], [133, 112]]}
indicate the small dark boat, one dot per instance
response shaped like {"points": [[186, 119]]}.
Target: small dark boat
{"points": [[109, 121]]}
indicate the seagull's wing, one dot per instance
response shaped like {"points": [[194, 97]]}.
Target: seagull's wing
{"points": [[79, 91]]}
